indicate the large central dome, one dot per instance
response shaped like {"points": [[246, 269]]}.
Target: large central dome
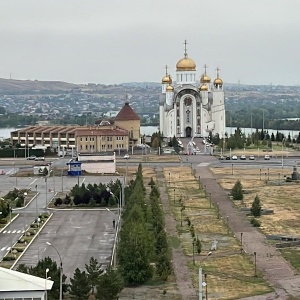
{"points": [[185, 64]]}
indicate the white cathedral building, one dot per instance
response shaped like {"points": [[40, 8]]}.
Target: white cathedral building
{"points": [[187, 109]]}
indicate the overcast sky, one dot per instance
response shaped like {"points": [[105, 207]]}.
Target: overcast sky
{"points": [[115, 41]]}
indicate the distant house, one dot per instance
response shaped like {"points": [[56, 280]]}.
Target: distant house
{"points": [[17, 285]]}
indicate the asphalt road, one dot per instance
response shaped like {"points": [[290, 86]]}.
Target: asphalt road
{"points": [[78, 234]]}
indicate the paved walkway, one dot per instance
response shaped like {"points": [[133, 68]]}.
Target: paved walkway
{"points": [[277, 271]]}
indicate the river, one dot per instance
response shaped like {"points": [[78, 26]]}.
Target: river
{"points": [[149, 130]]}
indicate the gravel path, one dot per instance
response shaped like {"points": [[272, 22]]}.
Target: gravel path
{"points": [[269, 260]]}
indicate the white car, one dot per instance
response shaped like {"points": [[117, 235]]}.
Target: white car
{"points": [[267, 157], [234, 157], [126, 156], [251, 157]]}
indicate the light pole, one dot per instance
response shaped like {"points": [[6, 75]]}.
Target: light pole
{"points": [[201, 283], [182, 208], [169, 179], [282, 153], [36, 209], [241, 242], [61, 271], [255, 264], [174, 196], [46, 192], [193, 251], [62, 180], [47, 278]]}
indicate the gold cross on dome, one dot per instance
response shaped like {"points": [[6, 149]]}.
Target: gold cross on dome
{"points": [[185, 48]]}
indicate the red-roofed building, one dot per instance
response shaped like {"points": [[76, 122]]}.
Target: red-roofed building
{"points": [[117, 135]]}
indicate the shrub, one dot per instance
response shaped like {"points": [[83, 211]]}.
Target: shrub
{"points": [[58, 202], [188, 221], [255, 222], [3, 221]]}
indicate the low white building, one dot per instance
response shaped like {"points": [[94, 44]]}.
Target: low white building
{"points": [[103, 163], [16, 285]]}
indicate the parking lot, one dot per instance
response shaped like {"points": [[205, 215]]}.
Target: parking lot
{"points": [[78, 236]]}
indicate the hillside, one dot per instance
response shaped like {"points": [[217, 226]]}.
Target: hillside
{"points": [[19, 86]]}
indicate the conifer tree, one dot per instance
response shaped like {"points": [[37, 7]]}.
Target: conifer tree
{"points": [[256, 207], [237, 191], [79, 285]]}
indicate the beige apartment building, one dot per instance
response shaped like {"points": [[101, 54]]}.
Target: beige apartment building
{"points": [[119, 134]]}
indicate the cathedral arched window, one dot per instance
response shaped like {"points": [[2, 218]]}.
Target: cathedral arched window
{"points": [[198, 112], [198, 121], [177, 112]]}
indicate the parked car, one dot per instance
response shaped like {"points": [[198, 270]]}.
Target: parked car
{"points": [[251, 157], [41, 158], [243, 157], [222, 157], [227, 157], [234, 157], [267, 157], [126, 156], [31, 157]]}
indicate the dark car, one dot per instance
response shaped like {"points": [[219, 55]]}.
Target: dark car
{"points": [[227, 157]]}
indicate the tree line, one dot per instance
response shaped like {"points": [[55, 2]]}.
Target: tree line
{"points": [[143, 240]]}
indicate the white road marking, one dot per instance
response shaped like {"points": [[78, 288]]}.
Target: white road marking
{"points": [[18, 231], [33, 181], [4, 231], [204, 164], [8, 231], [2, 249], [83, 180], [14, 231], [8, 249]]}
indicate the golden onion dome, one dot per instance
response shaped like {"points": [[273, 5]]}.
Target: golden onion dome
{"points": [[203, 87], [185, 64], [218, 81], [166, 79], [170, 88], [205, 79]]}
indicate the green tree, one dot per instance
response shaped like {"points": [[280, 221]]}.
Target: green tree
{"points": [[94, 271], [54, 273], [134, 252], [237, 191], [163, 265], [79, 285], [109, 285], [256, 207]]}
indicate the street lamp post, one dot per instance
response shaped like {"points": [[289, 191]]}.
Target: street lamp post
{"points": [[61, 271], [46, 192], [201, 283], [174, 196], [282, 153], [255, 264], [169, 179], [205, 280], [182, 208], [47, 270], [241, 242], [260, 174], [193, 251]]}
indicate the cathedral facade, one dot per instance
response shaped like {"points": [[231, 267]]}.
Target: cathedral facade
{"points": [[188, 109]]}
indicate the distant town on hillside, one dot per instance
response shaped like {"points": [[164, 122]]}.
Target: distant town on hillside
{"points": [[28, 102]]}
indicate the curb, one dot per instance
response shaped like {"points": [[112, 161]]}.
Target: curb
{"points": [[20, 208], [9, 223], [16, 261]]}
